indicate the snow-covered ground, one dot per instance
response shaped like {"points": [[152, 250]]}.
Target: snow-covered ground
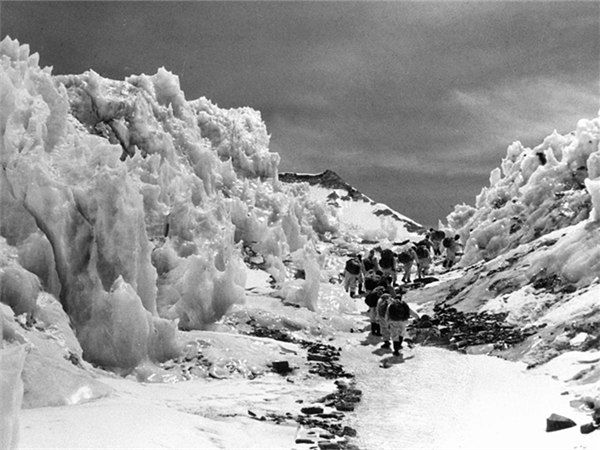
{"points": [[428, 398], [433, 398]]}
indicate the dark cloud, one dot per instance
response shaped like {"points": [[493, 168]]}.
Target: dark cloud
{"points": [[409, 101]]}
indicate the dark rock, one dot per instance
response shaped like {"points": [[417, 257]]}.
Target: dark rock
{"points": [[281, 367], [312, 410], [353, 391], [588, 428], [304, 441], [328, 445], [343, 406], [330, 416], [349, 431], [557, 422]]}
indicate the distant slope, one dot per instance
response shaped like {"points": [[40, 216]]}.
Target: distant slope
{"points": [[354, 208]]}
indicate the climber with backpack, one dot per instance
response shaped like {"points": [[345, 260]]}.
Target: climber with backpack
{"points": [[406, 259], [451, 247], [382, 305], [371, 282], [370, 263], [387, 263], [436, 237], [352, 273], [396, 317], [423, 260], [371, 300]]}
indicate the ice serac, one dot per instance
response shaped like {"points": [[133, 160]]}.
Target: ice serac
{"points": [[11, 394], [534, 192], [134, 206]]}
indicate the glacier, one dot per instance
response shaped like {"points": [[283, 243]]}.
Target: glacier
{"points": [[129, 214]]}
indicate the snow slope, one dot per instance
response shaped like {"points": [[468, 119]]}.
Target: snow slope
{"points": [[357, 214]]}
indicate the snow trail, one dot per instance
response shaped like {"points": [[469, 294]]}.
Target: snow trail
{"points": [[430, 398]]}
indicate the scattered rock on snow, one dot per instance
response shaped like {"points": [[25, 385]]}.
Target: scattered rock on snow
{"points": [[311, 410], [281, 367], [588, 428], [557, 422]]}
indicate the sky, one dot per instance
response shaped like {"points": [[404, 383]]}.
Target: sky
{"points": [[413, 103]]}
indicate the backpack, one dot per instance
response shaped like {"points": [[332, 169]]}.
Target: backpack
{"points": [[425, 243], [422, 252], [387, 259], [398, 310], [405, 258], [371, 299], [353, 266], [371, 283], [438, 235], [382, 304], [447, 242], [369, 264]]}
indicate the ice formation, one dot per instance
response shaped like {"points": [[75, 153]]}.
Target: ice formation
{"points": [[534, 192], [134, 207]]}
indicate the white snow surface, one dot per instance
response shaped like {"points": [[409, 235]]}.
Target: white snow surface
{"points": [[358, 217], [434, 399]]}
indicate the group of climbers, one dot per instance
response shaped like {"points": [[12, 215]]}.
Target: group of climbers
{"points": [[375, 276], [389, 263]]}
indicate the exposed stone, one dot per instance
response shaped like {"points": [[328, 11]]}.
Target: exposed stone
{"points": [[312, 410], [349, 431], [281, 367], [588, 428], [343, 406], [557, 422], [328, 445]]}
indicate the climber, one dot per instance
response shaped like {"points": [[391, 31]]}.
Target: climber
{"points": [[426, 241], [451, 246], [406, 259], [361, 275], [382, 305], [388, 264], [423, 260], [352, 274], [371, 300], [396, 318], [370, 263], [385, 281], [436, 237], [371, 282]]}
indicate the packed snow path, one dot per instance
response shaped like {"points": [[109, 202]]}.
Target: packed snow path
{"points": [[431, 398]]}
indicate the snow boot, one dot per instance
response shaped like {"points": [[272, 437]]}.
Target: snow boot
{"points": [[375, 330], [398, 346], [386, 344]]}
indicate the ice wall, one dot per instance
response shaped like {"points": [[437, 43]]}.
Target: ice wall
{"points": [[132, 205], [11, 394], [534, 192]]}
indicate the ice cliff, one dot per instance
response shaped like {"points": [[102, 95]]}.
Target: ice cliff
{"points": [[134, 207], [537, 191]]}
